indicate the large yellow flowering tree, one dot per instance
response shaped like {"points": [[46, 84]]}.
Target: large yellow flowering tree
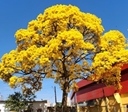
{"points": [[65, 44]]}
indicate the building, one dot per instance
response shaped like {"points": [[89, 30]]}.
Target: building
{"points": [[100, 98], [2, 106], [37, 106]]}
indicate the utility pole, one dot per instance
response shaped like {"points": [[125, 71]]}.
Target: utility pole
{"points": [[55, 95], [55, 98]]}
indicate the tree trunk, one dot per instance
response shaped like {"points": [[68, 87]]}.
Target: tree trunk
{"points": [[64, 100]]}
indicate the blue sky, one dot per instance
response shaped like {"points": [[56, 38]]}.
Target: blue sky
{"points": [[15, 14]]}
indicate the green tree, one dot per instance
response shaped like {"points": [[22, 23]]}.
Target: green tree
{"points": [[65, 44], [18, 102]]}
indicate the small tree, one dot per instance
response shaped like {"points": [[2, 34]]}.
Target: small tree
{"points": [[18, 102], [65, 44]]}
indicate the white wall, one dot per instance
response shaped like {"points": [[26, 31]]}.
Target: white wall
{"points": [[2, 107], [39, 105]]}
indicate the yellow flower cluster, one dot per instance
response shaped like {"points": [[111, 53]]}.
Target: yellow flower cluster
{"points": [[64, 15], [113, 77], [73, 38], [113, 41], [92, 23], [9, 59], [20, 80], [13, 81]]}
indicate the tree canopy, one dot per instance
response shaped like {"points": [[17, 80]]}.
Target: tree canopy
{"points": [[18, 101], [65, 44]]}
